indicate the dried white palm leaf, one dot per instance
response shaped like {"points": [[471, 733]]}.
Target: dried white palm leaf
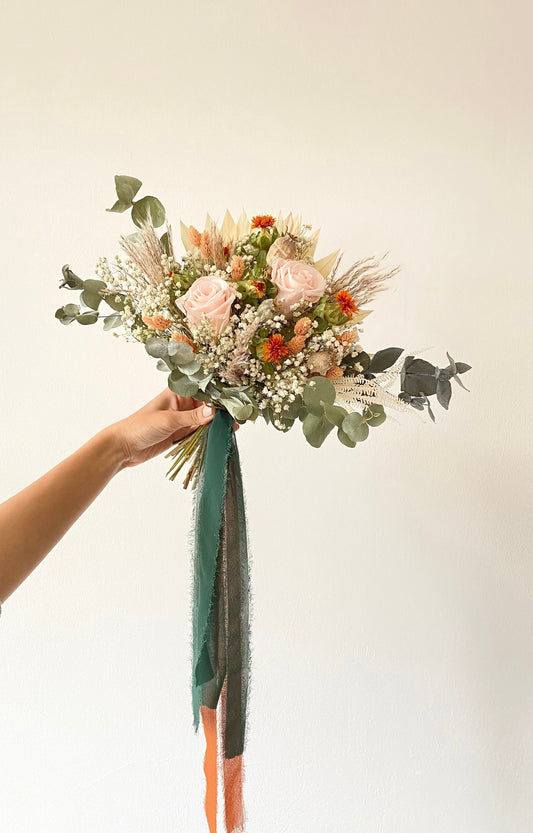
{"points": [[228, 229], [243, 226], [313, 240], [185, 237], [325, 264]]}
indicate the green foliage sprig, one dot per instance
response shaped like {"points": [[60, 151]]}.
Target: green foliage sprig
{"points": [[141, 210], [91, 297]]}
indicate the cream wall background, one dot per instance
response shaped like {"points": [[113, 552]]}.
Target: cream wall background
{"points": [[392, 674]]}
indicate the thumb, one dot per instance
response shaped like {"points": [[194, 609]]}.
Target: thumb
{"points": [[187, 420]]}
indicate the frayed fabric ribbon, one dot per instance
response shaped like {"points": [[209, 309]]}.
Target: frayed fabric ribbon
{"points": [[221, 632]]}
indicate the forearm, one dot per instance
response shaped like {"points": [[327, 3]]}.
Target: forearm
{"points": [[36, 518]]}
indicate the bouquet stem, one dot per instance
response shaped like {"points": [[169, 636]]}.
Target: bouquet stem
{"points": [[190, 448]]}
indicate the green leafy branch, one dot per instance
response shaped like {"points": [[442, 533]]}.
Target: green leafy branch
{"points": [[188, 378], [319, 416], [420, 379], [91, 296]]}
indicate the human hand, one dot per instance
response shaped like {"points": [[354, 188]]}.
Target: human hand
{"points": [[157, 425]]}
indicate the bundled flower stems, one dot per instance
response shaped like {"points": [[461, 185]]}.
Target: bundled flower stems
{"points": [[247, 320]]}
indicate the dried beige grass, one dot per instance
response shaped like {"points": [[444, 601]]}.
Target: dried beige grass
{"points": [[364, 279]]}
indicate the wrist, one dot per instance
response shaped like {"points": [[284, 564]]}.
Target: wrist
{"points": [[107, 445]]}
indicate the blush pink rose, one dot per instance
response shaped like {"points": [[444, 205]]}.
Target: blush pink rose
{"points": [[211, 297], [296, 281]]}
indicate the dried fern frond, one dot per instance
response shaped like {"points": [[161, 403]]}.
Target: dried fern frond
{"points": [[364, 279], [355, 391], [146, 251]]}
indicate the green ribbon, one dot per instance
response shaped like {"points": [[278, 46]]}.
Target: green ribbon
{"points": [[221, 585]]}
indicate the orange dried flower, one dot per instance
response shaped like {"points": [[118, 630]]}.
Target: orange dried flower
{"points": [[156, 322], [263, 221], [274, 350], [295, 344], [183, 338], [346, 302], [259, 287], [194, 236], [302, 326], [334, 372], [347, 337], [237, 267], [205, 244], [226, 250]]}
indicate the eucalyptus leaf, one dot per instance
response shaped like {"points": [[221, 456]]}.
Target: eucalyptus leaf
{"points": [[285, 423], [111, 301], [243, 413], [182, 385], [87, 318], [90, 299], [119, 207], [93, 285], [374, 415], [317, 392], [181, 352], [156, 347], [355, 427], [67, 316], [127, 187], [162, 365], [457, 379], [461, 367], [290, 409], [335, 414], [71, 309], [444, 392], [203, 383], [193, 370], [345, 439], [316, 429], [70, 280], [165, 242], [149, 208], [384, 359], [111, 321]]}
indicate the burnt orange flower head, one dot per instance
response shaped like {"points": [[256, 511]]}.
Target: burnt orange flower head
{"points": [[262, 221], [346, 302], [259, 287], [274, 350]]}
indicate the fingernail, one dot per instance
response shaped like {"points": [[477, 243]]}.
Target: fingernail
{"points": [[207, 410]]}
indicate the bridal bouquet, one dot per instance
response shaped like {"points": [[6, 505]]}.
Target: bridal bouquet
{"points": [[247, 320]]}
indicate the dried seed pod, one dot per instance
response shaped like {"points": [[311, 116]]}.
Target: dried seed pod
{"points": [[320, 362], [283, 247]]}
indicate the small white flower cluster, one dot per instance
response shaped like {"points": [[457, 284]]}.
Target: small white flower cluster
{"points": [[140, 297]]}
